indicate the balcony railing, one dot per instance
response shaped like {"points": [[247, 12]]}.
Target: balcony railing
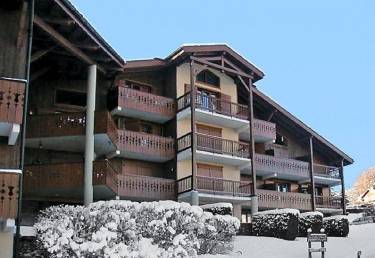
{"points": [[69, 124], [217, 186], [328, 202], [215, 145], [12, 93], [214, 105], [144, 187], [273, 199], [144, 102], [8, 195], [326, 171], [67, 176], [281, 165], [147, 144], [264, 129]]}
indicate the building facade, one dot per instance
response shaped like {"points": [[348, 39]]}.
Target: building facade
{"points": [[78, 124]]}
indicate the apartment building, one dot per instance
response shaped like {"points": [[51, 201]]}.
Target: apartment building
{"points": [[190, 127]]}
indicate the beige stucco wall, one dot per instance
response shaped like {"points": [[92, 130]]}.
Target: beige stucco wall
{"points": [[227, 85], [6, 244]]}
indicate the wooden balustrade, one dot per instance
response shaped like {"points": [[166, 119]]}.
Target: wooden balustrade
{"points": [[144, 187], [215, 186], [272, 199], [264, 129], [9, 190], [281, 165], [215, 105], [328, 202], [326, 171], [215, 145], [147, 144], [12, 95], [67, 176], [145, 102], [69, 124]]}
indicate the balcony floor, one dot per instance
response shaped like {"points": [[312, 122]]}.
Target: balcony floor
{"points": [[103, 144], [327, 180], [147, 116], [213, 118], [142, 156], [244, 135], [210, 157], [206, 198]]}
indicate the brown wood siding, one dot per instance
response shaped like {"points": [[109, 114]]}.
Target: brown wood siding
{"points": [[210, 170], [9, 154], [209, 130]]}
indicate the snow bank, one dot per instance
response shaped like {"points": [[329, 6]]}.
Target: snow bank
{"points": [[310, 220], [129, 229]]}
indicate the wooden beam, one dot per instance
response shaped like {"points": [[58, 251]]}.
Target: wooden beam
{"points": [[271, 115], [243, 83], [193, 124], [62, 41], [312, 179], [87, 46], [63, 22], [39, 73], [343, 204], [219, 67], [40, 53]]}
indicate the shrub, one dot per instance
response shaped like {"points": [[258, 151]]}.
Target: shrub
{"points": [[129, 229], [313, 220], [220, 208], [281, 223], [337, 226]]}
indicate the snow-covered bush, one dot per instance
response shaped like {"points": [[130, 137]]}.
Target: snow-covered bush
{"points": [[282, 223], [129, 229], [313, 220], [337, 226], [220, 208]]}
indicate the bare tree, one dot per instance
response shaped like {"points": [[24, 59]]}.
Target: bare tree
{"points": [[364, 182]]}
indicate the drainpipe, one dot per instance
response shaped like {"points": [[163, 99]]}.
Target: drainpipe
{"points": [[88, 195], [24, 120]]}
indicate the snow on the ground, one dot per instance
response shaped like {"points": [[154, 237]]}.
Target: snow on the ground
{"points": [[361, 238]]}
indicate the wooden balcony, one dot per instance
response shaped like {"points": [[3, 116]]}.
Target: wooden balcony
{"points": [[272, 199], [9, 189], [215, 186], [214, 149], [328, 202], [142, 146], [11, 108], [142, 105], [263, 131], [327, 175], [66, 132], [137, 187], [64, 181]]}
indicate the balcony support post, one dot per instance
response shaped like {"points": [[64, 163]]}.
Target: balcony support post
{"points": [[311, 170], [193, 128], [89, 137], [254, 197], [343, 204]]}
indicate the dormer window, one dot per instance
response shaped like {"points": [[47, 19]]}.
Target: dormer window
{"points": [[208, 77]]}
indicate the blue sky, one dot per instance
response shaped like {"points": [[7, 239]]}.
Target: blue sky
{"points": [[318, 56]]}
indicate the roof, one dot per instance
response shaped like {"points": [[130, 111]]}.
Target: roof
{"points": [[319, 139], [180, 54]]}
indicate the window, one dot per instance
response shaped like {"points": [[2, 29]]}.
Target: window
{"points": [[208, 77], [71, 98], [281, 140], [146, 128], [284, 187]]}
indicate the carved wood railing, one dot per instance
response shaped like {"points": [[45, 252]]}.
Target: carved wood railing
{"points": [[264, 129], [273, 199], [145, 102], [326, 171], [215, 186], [9, 189], [281, 165], [215, 145], [12, 95], [148, 144], [69, 124], [144, 187], [67, 176], [328, 202]]}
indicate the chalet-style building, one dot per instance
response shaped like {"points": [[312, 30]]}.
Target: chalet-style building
{"points": [[78, 123]]}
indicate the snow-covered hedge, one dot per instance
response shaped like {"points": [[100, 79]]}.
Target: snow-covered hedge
{"points": [[337, 226], [220, 208], [313, 220], [129, 229], [282, 223]]}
